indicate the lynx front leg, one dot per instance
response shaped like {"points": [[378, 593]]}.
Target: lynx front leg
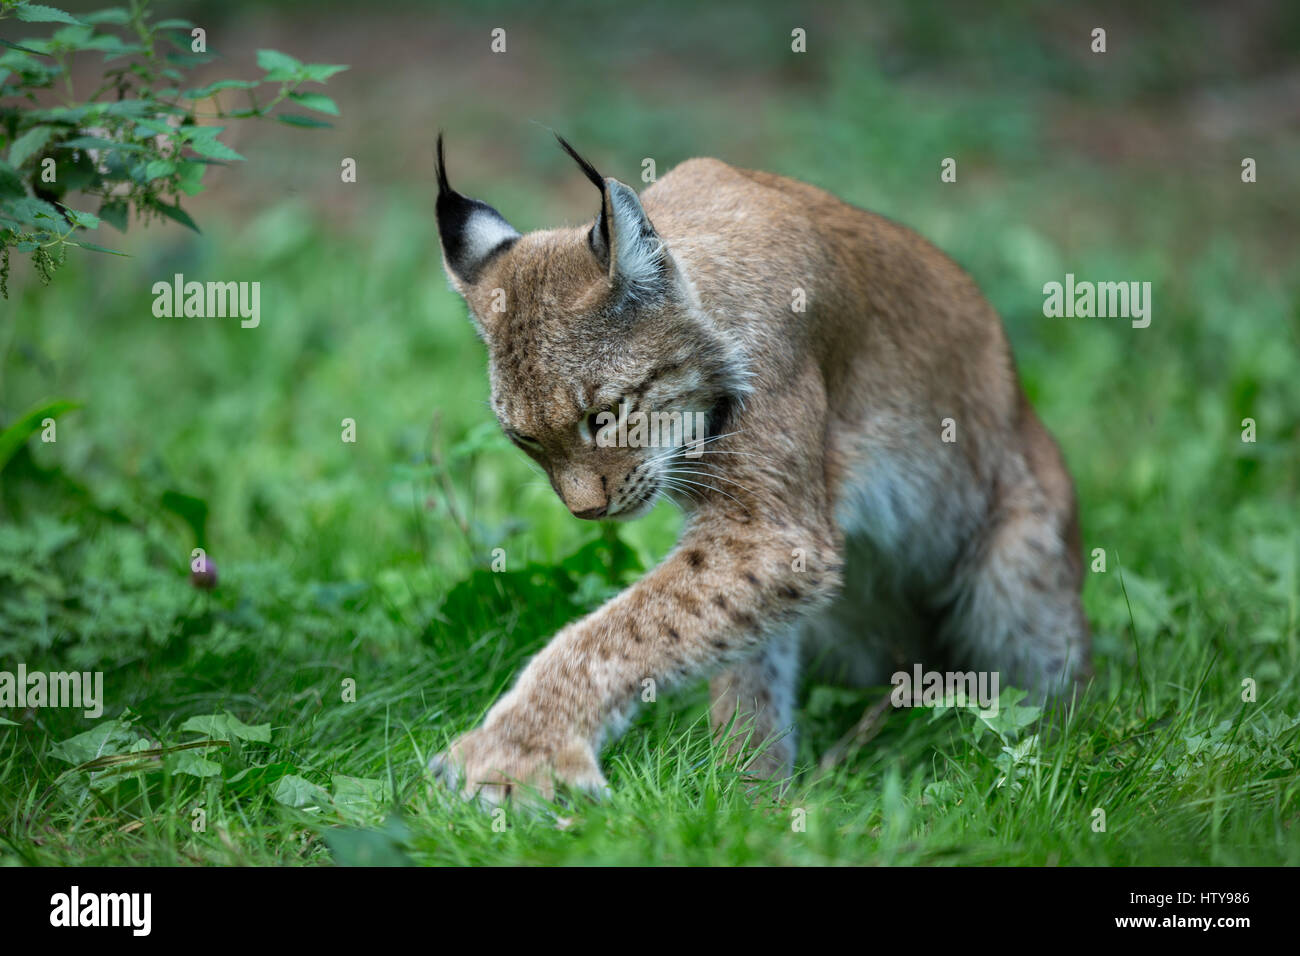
{"points": [[714, 602], [753, 707]]}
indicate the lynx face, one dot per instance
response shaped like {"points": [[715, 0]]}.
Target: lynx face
{"points": [[588, 329]]}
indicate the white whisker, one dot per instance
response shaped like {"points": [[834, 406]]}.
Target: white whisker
{"points": [[711, 488]]}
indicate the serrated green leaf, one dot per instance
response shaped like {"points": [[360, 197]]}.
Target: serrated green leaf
{"points": [[30, 210], [86, 220], [320, 72], [203, 140], [280, 66], [39, 13], [176, 214], [30, 143]]}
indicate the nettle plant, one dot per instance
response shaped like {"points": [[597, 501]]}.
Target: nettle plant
{"points": [[136, 144]]}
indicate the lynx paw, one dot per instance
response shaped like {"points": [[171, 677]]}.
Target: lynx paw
{"points": [[492, 767]]}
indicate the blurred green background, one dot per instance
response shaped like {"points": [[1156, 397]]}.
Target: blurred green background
{"points": [[339, 558]]}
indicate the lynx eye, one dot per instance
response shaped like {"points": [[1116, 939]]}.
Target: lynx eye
{"points": [[597, 419]]}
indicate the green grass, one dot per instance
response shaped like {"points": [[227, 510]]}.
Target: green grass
{"points": [[370, 562]]}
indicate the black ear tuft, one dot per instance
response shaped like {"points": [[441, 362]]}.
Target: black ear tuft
{"points": [[441, 166], [472, 232], [598, 238], [596, 178]]}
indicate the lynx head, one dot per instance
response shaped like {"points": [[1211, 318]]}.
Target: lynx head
{"points": [[591, 332]]}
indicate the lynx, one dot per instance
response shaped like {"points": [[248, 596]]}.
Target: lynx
{"points": [[873, 489]]}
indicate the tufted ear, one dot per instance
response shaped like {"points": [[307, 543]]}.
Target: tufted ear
{"points": [[472, 232], [623, 239]]}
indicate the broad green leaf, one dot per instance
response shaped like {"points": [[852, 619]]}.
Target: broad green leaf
{"points": [[105, 738], [384, 846], [189, 762], [293, 119], [315, 101], [227, 727], [158, 169], [191, 178], [298, 792], [358, 797]]}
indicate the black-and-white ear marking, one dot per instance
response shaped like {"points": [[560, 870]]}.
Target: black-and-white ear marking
{"points": [[623, 238], [472, 232]]}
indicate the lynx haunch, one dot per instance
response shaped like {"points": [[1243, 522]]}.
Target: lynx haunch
{"points": [[826, 517]]}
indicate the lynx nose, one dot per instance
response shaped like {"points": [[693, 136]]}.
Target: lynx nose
{"points": [[583, 493]]}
